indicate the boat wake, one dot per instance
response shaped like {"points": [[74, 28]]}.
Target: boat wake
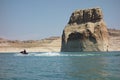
{"points": [[70, 54], [39, 54], [56, 54]]}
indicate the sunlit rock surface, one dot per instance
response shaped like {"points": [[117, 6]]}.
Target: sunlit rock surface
{"points": [[85, 31]]}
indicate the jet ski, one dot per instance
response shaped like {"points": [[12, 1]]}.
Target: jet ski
{"points": [[23, 52]]}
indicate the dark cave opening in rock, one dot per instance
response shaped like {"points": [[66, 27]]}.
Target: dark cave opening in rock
{"points": [[75, 36], [74, 42]]}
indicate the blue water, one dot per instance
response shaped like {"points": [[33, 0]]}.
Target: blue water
{"points": [[60, 66]]}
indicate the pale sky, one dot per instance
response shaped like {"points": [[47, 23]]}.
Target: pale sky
{"points": [[38, 19]]}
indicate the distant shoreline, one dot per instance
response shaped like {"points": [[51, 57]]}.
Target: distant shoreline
{"points": [[51, 44], [34, 49], [37, 49]]}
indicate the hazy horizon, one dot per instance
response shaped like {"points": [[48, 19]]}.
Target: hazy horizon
{"points": [[38, 19]]}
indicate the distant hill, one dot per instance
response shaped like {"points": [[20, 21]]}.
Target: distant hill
{"points": [[51, 44], [114, 39], [28, 43], [114, 32]]}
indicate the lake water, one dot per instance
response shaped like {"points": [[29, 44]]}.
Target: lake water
{"points": [[60, 66]]}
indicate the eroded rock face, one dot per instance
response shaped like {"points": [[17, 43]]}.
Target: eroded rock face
{"points": [[85, 31]]}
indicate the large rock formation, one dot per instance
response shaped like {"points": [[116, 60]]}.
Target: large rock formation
{"points": [[85, 31]]}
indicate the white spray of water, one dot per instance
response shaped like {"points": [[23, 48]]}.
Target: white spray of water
{"points": [[53, 54], [48, 54]]}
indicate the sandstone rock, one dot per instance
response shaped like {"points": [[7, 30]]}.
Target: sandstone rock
{"points": [[85, 31]]}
